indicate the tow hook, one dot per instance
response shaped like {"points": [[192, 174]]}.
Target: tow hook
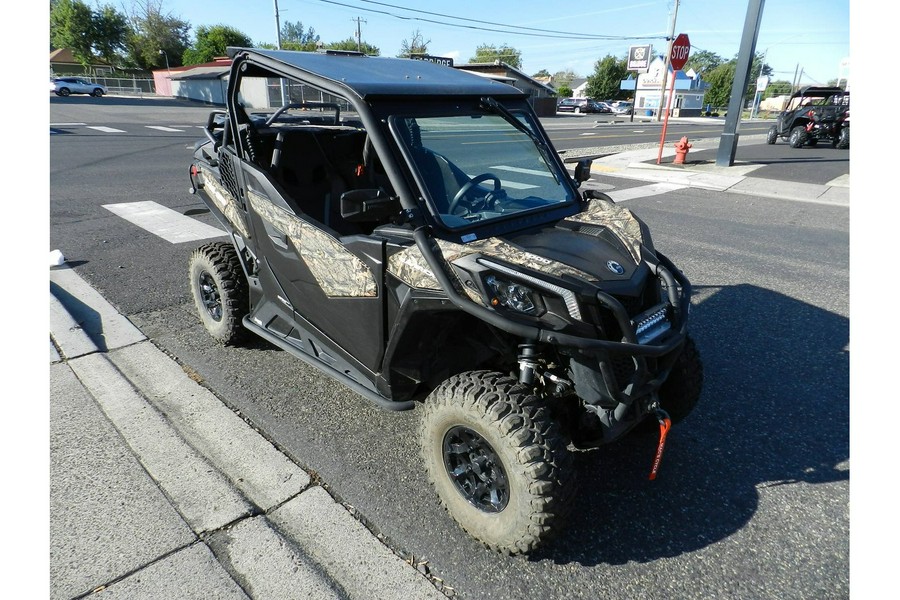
{"points": [[665, 423]]}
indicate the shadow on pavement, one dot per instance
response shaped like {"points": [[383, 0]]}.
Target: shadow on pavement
{"points": [[774, 411]]}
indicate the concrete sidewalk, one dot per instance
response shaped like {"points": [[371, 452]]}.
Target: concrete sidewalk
{"points": [[641, 165], [158, 490]]}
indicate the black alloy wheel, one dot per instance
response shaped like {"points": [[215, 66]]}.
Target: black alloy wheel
{"points": [[475, 469], [220, 291]]}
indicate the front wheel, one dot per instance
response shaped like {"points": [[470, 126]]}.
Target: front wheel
{"points": [[63, 92], [772, 135], [799, 137], [220, 291], [843, 140], [681, 391], [497, 460], [97, 93]]}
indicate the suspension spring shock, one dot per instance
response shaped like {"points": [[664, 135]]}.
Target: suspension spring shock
{"points": [[528, 363]]}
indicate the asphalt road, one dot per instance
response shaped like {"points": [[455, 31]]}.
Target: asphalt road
{"points": [[752, 499]]}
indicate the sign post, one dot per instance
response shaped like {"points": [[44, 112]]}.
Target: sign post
{"points": [[639, 62], [681, 49]]}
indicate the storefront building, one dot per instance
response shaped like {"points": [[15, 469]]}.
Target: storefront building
{"points": [[687, 99]]}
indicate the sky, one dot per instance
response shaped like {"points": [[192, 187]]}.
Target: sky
{"points": [[794, 34]]}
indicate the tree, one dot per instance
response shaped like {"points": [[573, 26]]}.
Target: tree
{"points": [[564, 91], [778, 88], [110, 32], [71, 26], [212, 42], [541, 73], [489, 53], [152, 31], [720, 81], [294, 37], [88, 33], [562, 79], [608, 74], [417, 45], [703, 61], [350, 44]]}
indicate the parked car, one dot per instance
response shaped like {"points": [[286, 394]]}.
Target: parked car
{"points": [[623, 108], [76, 85], [582, 105]]}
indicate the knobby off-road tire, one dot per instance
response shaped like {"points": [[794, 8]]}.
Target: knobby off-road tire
{"points": [[799, 137], [843, 139], [497, 460], [772, 135], [681, 391], [220, 291]]}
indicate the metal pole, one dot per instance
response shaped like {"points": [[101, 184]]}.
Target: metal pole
{"points": [[729, 140], [671, 38], [284, 101]]}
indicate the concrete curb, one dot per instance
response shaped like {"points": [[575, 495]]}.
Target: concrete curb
{"points": [[242, 519]]}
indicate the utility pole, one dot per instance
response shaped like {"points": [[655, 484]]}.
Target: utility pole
{"points": [[277, 27], [359, 32], [671, 39], [284, 94]]}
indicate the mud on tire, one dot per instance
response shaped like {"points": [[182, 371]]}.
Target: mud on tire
{"points": [[220, 292], [497, 460]]}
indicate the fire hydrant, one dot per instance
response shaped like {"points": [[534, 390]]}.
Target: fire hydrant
{"points": [[681, 150]]}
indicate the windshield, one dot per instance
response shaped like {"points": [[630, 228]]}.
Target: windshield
{"points": [[478, 168]]}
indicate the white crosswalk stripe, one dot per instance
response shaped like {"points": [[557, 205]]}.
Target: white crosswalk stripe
{"points": [[105, 129], [643, 191], [161, 128], [164, 222], [521, 170]]}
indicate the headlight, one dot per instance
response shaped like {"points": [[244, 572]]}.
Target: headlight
{"points": [[514, 296]]}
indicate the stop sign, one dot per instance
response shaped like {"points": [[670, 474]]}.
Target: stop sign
{"points": [[681, 49]]}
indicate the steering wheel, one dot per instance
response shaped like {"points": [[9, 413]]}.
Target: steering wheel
{"points": [[467, 187], [278, 112]]}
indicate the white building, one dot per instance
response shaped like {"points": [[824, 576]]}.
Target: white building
{"points": [[687, 100]]}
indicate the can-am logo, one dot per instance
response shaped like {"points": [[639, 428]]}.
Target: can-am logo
{"points": [[615, 267]]}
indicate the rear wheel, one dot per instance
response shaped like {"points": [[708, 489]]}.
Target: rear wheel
{"points": [[577, 110], [799, 137], [497, 461], [772, 135], [220, 291]]}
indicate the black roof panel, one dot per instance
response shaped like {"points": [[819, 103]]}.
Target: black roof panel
{"points": [[383, 76]]}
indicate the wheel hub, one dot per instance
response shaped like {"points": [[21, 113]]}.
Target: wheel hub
{"points": [[475, 469], [209, 295]]}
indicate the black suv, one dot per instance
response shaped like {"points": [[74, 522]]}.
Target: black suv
{"points": [[814, 114], [408, 229]]}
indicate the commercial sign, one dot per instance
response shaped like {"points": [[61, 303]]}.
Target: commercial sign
{"points": [[762, 83], [440, 60], [639, 58]]}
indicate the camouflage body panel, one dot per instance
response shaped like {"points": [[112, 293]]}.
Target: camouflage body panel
{"points": [[338, 272], [617, 219], [411, 268], [226, 203]]}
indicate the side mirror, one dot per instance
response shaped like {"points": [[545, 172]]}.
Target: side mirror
{"points": [[368, 205], [583, 170]]}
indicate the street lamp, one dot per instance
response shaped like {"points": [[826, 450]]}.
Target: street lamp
{"points": [[163, 52]]}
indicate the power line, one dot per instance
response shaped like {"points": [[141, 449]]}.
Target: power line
{"points": [[510, 29]]}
